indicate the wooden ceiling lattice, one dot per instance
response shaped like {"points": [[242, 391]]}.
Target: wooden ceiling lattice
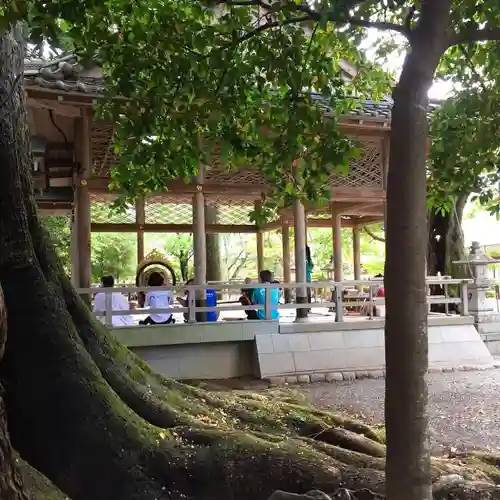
{"points": [[103, 155], [101, 211], [230, 213], [168, 211], [365, 171]]}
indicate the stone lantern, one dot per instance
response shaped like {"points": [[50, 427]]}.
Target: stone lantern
{"points": [[478, 262]]}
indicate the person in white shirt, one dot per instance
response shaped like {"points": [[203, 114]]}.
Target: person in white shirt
{"points": [[158, 299], [118, 303]]}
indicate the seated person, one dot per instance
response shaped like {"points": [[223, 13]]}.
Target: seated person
{"points": [[118, 303], [158, 299], [259, 296]]}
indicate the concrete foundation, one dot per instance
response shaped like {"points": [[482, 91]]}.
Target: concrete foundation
{"points": [[453, 342], [488, 326], [267, 349]]}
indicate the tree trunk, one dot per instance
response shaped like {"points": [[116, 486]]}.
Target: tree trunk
{"points": [[11, 484], [446, 245], [406, 343]]}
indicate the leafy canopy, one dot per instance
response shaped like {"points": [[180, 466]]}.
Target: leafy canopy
{"points": [[236, 78], [195, 81], [466, 128]]}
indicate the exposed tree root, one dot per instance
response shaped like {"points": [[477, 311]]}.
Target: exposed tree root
{"points": [[37, 485]]}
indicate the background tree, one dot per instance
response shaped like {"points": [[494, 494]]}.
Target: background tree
{"points": [[180, 246], [464, 155], [113, 254]]}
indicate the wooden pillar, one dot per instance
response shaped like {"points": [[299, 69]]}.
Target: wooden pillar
{"points": [[337, 246], [300, 256], [140, 219], [199, 242], [285, 239], [83, 150], [356, 252], [385, 171], [75, 281], [260, 251], [212, 244], [260, 244]]}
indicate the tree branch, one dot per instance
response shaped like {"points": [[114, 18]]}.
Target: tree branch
{"points": [[472, 67], [478, 35], [353, 21], [236, 260], [409, 17], [372, 235], [311, 15]]}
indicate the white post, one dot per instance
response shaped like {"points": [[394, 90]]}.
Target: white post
{"points": [[191, 303], [268, 304], [109, 307], [464, 294], [339, 303]]}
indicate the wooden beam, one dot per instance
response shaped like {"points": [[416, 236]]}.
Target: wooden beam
{"points": [[55, 106], [351, 208], [169, 228], [44, 210], [245, 192]]}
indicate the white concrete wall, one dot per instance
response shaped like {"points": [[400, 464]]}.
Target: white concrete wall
{"points": [[453, 342], [202, 361], [198, 351]]}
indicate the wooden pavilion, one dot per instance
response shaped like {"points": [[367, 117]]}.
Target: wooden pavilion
{"points": [[73, 157]]}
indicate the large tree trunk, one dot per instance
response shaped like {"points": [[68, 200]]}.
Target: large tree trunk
{"points": [[406, 343], [11, 485]]}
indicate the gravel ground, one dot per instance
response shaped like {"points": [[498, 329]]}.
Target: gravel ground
{"points": [[464, 407]]}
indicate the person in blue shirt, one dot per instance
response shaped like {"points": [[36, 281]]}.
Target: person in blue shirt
{"points": [[259, 296]]}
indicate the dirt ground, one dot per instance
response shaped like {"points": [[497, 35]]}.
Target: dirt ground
{"points": [[464, 407]]}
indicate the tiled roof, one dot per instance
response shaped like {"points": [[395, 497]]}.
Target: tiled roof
{"points": [[66, 74]]}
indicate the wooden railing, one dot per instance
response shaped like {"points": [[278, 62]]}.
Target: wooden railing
{"points": [[338, 302]]}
